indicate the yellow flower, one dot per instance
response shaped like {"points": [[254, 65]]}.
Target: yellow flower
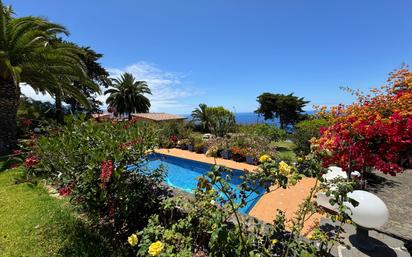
{"points": [[133, 240], [300, 159], [265, 158], [284, 168], [156, 248], [274, 241], [214, 226]]}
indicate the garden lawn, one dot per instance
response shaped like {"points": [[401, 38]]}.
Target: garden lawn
{"points": [[285, 151], [33, 223]]}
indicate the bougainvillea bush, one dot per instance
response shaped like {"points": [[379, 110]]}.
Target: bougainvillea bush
{"points": [[90, 162], [373, 132]]}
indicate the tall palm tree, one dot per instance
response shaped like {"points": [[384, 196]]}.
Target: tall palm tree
{"points": [[127, 95], [201, 115], [27, 57], [65, 86]]}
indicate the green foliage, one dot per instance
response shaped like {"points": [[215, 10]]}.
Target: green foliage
{"points": [[288, 108], [127, 95], [35, 110], [221, 121], [89, 159], [97, 74], [172, 131], [31, 54], [306, 130], [287, 156], [271, 132], [202, 115], [211, 224], [286, 145]]}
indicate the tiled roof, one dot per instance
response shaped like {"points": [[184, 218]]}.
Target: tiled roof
{"points": [[158, 116]]}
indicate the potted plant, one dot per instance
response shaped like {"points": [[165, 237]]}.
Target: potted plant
{"points": [[191, 145], [205, 149], [238, 154], [226, 154], [183, 143], [199, 147], [252, 155]]}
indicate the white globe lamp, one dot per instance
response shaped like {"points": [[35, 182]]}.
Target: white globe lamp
{"points": [[370, 213]]}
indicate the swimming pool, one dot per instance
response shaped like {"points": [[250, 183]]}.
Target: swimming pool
{"points": [[182, 174]]}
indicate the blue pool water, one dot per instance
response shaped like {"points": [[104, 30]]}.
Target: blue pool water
{"points": [[182, 174]]}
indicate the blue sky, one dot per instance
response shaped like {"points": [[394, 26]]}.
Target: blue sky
{"points": [[226, 53]]}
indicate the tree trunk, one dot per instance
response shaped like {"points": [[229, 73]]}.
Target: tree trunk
{"points": [[9, 102], [59, 110]]}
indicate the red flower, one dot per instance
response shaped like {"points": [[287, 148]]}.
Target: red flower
{"points": [[13, 165], [17, 152], [27, 122], [130, 143], [111, 209], [65, 191], [31, 161], [106, 171], [173, 139]]}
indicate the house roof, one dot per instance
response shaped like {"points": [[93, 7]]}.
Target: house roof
{"points": [[158, 116]]}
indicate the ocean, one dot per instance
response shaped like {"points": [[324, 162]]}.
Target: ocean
{"points": [[253, 118]]}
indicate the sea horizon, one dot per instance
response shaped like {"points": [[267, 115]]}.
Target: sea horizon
{"points": [[251, 118]]}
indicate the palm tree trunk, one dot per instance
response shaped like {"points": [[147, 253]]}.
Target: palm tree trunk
{"points": [[59, 110], [9, 102]]}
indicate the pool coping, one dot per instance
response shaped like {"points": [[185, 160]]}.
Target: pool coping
{"points": [[208, 160]]}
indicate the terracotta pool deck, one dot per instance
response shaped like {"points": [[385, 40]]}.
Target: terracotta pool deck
{"points": [[287, 200]]}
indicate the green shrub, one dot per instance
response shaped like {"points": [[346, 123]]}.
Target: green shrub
{"points": [[287, 156], [171, 131], [88, 160], [221, 121], [304, 131], [271, 132]]}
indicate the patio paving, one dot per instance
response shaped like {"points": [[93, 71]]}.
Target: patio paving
{"points": [[396, 192], [384, 245]]}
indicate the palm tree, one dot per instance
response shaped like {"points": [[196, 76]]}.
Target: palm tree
{"points": [[201, 115], [127, 95], [66, 85], [26, 56]]}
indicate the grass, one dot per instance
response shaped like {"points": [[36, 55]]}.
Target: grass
{"points": [[33, 223], [285, 151], [284, 145]]}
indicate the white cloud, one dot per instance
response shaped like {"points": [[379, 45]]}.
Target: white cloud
{"points": [[167, 88], [29, 92]]}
